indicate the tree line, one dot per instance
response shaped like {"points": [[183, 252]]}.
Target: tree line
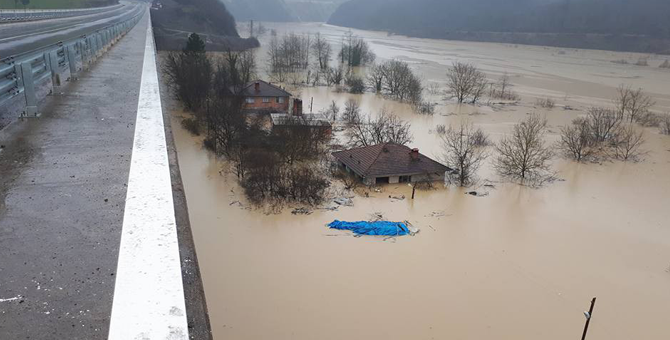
{"points": [[524, 155]]}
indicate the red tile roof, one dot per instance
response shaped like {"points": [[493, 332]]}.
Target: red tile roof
{"points": [[388, 159], [265, 89]]}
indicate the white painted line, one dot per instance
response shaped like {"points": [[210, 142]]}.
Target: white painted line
{"points": [[149, 293]]}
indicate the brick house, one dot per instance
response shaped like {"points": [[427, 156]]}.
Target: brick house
{"points": [[390, 163], [261, 96]]}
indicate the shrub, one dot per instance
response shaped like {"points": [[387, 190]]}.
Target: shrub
{"points": [[545, 103], [355, 84], [665, 124], [649, 119], [191, 125], [480, 139], [425, 108]]}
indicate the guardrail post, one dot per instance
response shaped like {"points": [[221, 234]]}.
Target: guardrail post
{"points": [[84, 48], [29, 90], [100, 45], [55, 69], [72, 61]]}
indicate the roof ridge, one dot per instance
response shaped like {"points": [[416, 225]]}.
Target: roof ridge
{"points": [[267, 83], [383, 145]]}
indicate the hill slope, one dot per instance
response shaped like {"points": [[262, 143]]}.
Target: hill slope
{"points": [[209, 18], [260, 10]]}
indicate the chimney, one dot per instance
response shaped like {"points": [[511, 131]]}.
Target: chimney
{"points": [[257, 86], [414, 154], [297, 107]]}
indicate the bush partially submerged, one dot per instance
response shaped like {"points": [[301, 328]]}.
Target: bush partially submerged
{"points": [[602, 134], [191, 125], [546, 103], [665, 124], [355, 84]]}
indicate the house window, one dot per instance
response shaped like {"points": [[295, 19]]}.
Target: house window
{"points": [[280, 100], [251, 100], [266, 100], [405, 179]]}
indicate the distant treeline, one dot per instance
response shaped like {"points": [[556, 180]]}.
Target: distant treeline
{"points": [[608, 22]]}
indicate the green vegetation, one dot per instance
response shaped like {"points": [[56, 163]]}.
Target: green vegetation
{"points": [[54, 4]]}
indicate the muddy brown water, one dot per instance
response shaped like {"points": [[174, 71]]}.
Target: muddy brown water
{"points": [[519, 263]]}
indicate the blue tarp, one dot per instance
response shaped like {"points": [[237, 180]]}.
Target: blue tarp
{"points": [[383, 228]]}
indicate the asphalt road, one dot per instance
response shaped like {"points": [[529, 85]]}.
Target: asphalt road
{"points": [[17, 38], [64, 181]]}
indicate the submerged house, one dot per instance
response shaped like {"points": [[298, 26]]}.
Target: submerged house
{"points": [[261, 96], [390, 163]]}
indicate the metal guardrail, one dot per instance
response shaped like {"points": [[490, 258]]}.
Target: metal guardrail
{"points": [[19, 15], [20, 74]]}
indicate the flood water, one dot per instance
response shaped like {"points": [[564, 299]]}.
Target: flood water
{"points": [[519, 263]]}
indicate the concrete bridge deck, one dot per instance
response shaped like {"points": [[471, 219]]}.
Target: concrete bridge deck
{"points": [[66, 200]]}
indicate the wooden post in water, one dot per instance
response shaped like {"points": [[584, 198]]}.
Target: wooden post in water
{"points": [[311, 104], [413, 190], [588, 318]]}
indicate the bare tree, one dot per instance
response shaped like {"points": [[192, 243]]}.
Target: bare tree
{"points": [[465, 81], [247, 66], [322, 51], [603, 123], [288, 54], [399, 82], [577, 140], [628, 143], [356, 51], [462, 153], [632, 103], [333, 111], [502, 89], [523, 155], [352, 112], [335, 76], [376, 77], [385, 128]]}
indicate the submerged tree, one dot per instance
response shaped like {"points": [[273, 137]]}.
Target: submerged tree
{"points": [[577, 140], [632, 103], [322, 51], [356, 51], [465, 82], [463, 153], [523, 155]]}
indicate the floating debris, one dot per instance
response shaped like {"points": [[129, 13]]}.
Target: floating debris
{"points": [[345, 201], [301, 211], [477, 193]]}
